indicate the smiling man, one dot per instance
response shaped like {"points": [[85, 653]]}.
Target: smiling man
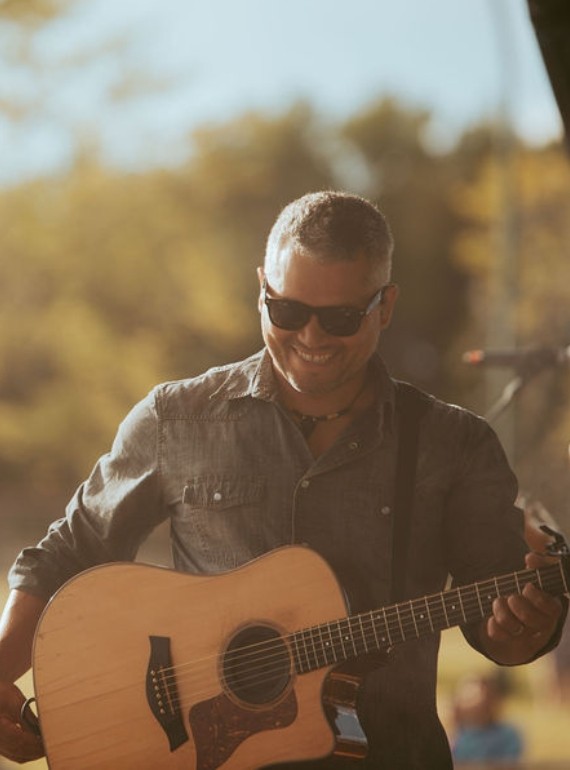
{"points": [[325, 298], [302, 444]]}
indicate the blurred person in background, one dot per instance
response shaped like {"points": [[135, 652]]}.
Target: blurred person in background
{"points": [[481, 734]]}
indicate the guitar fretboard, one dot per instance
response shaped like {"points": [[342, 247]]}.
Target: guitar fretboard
{"points": [[379, 630]]}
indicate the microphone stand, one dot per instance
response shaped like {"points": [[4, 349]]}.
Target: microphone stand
{"points": [[535, 514], [526, 371], [510, 391]]}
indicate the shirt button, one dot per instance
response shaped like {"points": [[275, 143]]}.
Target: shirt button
{"points": [[353, 446], [217, 497], [385, 510], [305, 483]]}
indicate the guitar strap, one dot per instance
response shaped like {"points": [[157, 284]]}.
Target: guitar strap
{"points": [[411, 404]]}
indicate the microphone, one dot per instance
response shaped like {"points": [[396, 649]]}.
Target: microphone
{"points": [[519, 358]]}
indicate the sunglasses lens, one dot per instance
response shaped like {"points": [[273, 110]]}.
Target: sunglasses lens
{"points": [[286, 314], [291, 315], [340, 322]]}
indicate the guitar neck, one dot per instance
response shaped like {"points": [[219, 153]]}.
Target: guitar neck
{"points": [[379, 630]]}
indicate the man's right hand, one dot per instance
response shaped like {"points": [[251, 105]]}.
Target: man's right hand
{"points": [[17, 742]]}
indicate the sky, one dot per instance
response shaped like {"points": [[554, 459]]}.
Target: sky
{"points": [[463, 60]]}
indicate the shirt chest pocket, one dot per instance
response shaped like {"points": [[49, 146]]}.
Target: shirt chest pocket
{"points": [[220, 493], [223, 516]]}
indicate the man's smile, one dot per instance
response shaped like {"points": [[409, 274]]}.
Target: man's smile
{"points": [[313, 358]]}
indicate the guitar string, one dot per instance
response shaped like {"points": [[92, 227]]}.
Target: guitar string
{"points": [[259, 676], [401, 627], [319, 650], [404, 616], [443, 604]]}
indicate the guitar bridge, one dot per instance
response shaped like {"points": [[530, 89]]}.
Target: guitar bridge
{"points": [[162, 693]]}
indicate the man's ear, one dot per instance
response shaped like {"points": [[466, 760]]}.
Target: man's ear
{"points": [[391, 293], [261, 277]]}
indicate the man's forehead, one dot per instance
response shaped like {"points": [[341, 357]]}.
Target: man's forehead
{"points": [[282, 259]]}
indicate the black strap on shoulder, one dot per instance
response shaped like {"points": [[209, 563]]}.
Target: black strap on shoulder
{"points": [[411, 404]]}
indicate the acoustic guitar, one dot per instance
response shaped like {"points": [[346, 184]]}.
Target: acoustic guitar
{"points": [[139, 667]]}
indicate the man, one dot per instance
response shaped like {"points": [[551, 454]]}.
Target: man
{"points": [[298, 444]]}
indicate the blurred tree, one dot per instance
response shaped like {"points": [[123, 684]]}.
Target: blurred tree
{"points": [[540, 316], [240, 175], [111, 282], [44, 70], [20, 22], [414, 187]]}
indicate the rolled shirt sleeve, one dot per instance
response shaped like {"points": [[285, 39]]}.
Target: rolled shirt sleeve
{"points": [[110, 514]]}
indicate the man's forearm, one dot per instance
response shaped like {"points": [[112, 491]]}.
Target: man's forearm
{"points": [[17, 628]]}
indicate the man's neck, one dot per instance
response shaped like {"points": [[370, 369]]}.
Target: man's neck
{"points": [[343, 399]]}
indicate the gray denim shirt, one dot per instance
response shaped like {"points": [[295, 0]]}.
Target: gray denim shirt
{"points": [[222, 460]]}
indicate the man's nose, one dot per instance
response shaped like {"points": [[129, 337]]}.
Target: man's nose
{"points": [[312, 332]]}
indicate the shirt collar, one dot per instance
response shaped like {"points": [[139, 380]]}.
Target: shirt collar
{"points": [[254, 378]]}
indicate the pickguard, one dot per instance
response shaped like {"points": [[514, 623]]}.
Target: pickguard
{"points": [[220, 725]]}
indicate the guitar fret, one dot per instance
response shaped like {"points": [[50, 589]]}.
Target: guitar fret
{"points": [[497, 590], [429, 615], [454, 607], [444, 609], [314, 649], [305, 650], [414, 619], [321, 646], [330, 644], [402, 634], [373, 624], [326, 645], [478, 595], [421, 616], [348, 637], [339, 632], [357, 636], [363, 634], [393, 625], [387, 627], [460, 597]]}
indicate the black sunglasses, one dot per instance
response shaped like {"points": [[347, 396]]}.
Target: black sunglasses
{"points": [[339, 321]]}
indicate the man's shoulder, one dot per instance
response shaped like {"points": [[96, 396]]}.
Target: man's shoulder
{"points": [[457, 433], [200, 392], [437, 414]]}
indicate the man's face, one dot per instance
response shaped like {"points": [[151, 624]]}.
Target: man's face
{"points": [[310, 360]]}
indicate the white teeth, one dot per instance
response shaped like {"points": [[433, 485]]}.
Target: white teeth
{"points": [[314, 358]]}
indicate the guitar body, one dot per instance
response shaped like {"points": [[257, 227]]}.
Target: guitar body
{"points": [[142, 668], [131, 667]]}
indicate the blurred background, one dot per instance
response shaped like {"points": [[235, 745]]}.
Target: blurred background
{"points": [[145, 150]]}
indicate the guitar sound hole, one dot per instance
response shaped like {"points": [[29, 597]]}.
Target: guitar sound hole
{"points": [[257, 665]]}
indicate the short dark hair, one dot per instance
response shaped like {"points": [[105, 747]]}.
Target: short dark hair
{"points": [[334, 226]]}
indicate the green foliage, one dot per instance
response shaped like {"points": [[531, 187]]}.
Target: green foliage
{"points": [[538, 290], [412, 186], [110, 282]]}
